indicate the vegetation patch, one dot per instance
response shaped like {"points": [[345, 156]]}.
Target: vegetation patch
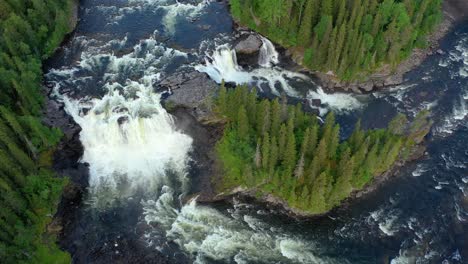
{"points": [[352, 39], [31, 30], [275, 148]]}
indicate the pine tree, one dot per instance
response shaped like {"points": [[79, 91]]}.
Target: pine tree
{"points": [[307, 23], [282, 140], [265, 150], [334, 141], [289, 161], [273, 159], [299, 171], [243, 124], [258, 155], [275, 117], [317, 199]]}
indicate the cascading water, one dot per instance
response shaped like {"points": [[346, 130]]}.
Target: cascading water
{"points": [[339, 102], [130, 143], [268, 55], [222, 65], [135, 153]]}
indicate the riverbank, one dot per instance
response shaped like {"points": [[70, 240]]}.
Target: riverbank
{"points": [[454, 11], [216, 192], [280, 205]]}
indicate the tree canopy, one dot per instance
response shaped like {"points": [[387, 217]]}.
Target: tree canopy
{"points": [[351, 38], [303, 162], [30, 32]]}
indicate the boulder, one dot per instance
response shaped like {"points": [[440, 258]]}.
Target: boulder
{"points": [[316, 102], [367, 86], [190, 89], [249, 45]]}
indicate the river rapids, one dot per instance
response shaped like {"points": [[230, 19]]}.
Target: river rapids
{"points": [[139, 162]]}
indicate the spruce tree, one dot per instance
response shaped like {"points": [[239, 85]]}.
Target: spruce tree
{"points": [[243, 124], [265, 150]]}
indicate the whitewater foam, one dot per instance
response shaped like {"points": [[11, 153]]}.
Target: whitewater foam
{"points": [[210, 235], [268, 55], [222, 65], [130, 142], [339, 102]]}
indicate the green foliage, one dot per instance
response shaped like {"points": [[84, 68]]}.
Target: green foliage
{"points": [[30, 31], [302, 162], [350, 38]]}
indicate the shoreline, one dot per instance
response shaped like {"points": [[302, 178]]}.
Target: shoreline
{"points": [[270, 201], [453, 11]]}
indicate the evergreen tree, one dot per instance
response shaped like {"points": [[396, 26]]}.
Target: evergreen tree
{"points": [[311, 176], [265, 150], [243, 124]]}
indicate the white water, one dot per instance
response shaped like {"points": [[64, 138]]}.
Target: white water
{"points": [[268, 55], [136, 154], [222, 65], [130, 141], [457, 116], [209, 235], [132, 146], [173, 11], [339, 102]]}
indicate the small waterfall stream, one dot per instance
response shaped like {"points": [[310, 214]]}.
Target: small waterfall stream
{"points": [[268, 55]]}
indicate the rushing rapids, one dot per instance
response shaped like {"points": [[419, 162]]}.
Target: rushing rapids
{"points": [[139, 163]]}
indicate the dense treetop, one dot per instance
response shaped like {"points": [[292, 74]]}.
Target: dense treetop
{"points": [[275, 148], [30, 30], [352, 38]]}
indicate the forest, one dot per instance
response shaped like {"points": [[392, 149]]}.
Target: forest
{"points": [[275, 148], [350, 39], [31, 30]]}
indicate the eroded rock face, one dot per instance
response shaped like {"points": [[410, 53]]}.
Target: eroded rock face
{"points": [[248, 46]]}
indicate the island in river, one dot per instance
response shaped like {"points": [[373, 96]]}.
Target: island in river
{"points": [[282, 155]]}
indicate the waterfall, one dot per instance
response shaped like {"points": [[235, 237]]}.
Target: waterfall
{"points": [[268, 55], [222, 65], [129, 142]]}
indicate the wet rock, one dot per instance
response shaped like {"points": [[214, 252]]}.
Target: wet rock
{"points": [[71, 191], [367, 86], [122, 119], [316, 102], [249, 46], [55, 227], [190, 89]]}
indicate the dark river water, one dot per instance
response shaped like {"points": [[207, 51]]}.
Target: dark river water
{"points": [[139, 164]]}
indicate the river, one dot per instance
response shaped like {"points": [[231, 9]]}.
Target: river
{"points": [[140, 163]]}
